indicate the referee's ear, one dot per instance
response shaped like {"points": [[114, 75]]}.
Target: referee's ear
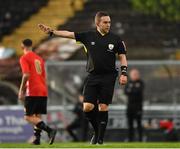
{"points": [[96, 21], [97, 18]]}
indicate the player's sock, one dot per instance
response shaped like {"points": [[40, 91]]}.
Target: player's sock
{"points": [[92, 117], [43, 126], [103, 119], [37, 134]]}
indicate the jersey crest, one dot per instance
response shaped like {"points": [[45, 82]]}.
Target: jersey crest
{"points": [[110, 46]]}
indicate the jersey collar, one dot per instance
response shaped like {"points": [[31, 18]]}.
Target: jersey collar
{"points": [[99, 32]]}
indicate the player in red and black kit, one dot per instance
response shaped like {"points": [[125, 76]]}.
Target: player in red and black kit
{"points": [[33, 91]]}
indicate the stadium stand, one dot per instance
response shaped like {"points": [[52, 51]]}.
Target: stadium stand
{"points": [[11, 17], [52, 13]]}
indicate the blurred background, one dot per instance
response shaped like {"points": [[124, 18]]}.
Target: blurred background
{"points": [[151, 31]]}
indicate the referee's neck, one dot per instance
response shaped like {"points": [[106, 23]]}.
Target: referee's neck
{"points": [[100, 32]]}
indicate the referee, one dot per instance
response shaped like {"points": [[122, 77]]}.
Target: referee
{"points": [[101, 49]]}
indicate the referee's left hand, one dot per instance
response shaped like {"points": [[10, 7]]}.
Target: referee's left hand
{"points": [[123, 79]]}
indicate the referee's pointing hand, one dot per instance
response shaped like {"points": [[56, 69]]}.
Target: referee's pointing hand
{"points": [[44, 28]]}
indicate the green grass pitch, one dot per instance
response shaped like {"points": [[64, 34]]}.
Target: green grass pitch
{"points": [[86, 145]]}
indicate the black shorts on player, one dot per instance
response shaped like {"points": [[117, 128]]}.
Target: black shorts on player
{"points": [[99, 87], [35, 105]]}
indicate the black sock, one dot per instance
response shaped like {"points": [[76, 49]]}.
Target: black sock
{"points": [[92, 118], [103, 119], [43, 126], [37, 133]]}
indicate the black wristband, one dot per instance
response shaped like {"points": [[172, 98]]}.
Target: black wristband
{"points": [[51, 33], [124, 70]]}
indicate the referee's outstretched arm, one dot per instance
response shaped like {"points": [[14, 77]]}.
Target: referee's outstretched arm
{"points": [[50, 31]]}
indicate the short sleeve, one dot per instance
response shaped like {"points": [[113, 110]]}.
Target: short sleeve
{"points": [[81, 37], [121, 48], [24, 65]]}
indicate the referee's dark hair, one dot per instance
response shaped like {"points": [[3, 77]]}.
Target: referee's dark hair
{"points": [[27, 42], [100, 14]]}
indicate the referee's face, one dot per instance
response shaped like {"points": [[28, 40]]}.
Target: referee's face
{"points": [[104, 24]]}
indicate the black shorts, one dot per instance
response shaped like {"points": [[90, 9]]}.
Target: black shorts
{"points": [[35, 105], [99, 88]]}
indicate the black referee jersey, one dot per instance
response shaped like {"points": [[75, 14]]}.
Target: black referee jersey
{"points": [[101, 50]]}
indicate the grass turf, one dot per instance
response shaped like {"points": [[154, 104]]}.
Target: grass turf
{"points": [[86, 145]]}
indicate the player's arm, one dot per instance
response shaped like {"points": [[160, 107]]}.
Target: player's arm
{"points": [[26, 73], [22, 89], [50, 31], [123, 61]]}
